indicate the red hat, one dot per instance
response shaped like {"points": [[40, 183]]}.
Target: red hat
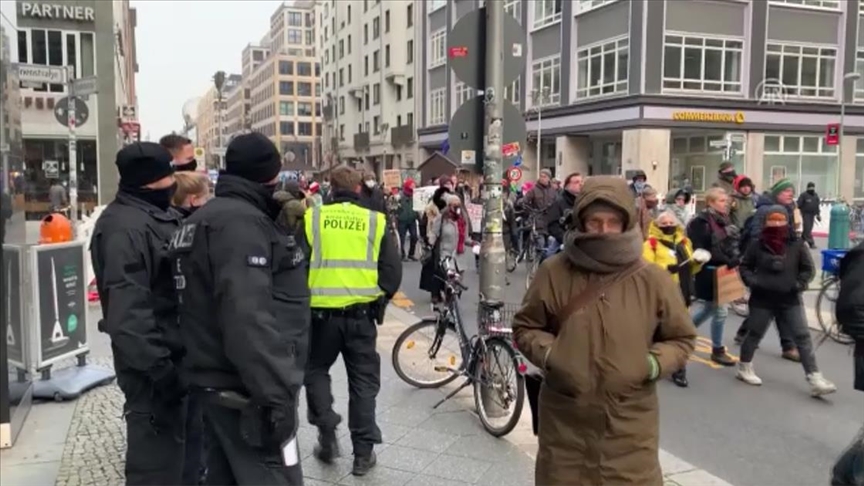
{"points": [[314, 187]]}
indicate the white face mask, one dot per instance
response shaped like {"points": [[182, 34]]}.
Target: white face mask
{"points": [[370, 184]]}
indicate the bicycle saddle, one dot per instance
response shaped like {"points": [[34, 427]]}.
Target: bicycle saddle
{"points": [[492, 304]]}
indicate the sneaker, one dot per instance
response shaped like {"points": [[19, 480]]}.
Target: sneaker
{"points": [[680, 378], [721, 357], [819, 385], [364, 464], [327, 448], [792, 355], [747, 375]]}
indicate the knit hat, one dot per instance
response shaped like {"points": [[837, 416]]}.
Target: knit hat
{"points": [[811, 185], [143, 163], [408, 187], [742, 181], [726, 166], [781, 186], [546, 172], [778, 214], [253, 157]]}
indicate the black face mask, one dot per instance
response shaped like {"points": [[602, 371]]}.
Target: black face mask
{"points": [[161, 198], [729, 176], [811, 191], [188, 166], [668, 230]]}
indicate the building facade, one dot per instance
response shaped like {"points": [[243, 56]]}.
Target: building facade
{"points": [[675, 88], [213, 115], [367, 51], [98, 39]]}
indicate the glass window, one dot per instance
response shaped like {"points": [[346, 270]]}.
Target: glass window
{"points": [[702, 64], [464, 93], [546, 12], [387, 21], [858, 193], [436, 4], [304, 69], [72, 53], [38, 46], [376, 93], [858, 87], [695, 162], [304, 109], [437, 48], [88, 54], [304, 128], [437, 110], [286, 128], [586, 5], [387, 56], [295, 36], [286, 67], [802, 71], [22, 47], [295, 19], [304, 89], [801, 159], [409, 52], [602, 69], [286, 88], [286, 108], [546, 81], [409, 14], [376, 28], [820, 4], [514, 8], [514, 91], [376, 61], [409, 86]]}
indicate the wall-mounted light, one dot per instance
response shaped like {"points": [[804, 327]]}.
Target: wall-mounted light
{"points": [[654, 164]]}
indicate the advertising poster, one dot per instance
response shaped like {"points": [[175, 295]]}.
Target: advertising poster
{"points": [[12, 315], [61, 301]]}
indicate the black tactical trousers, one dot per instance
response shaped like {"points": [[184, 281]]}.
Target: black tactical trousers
{"points": [[154, 434], [231, 460], [353, 335]]}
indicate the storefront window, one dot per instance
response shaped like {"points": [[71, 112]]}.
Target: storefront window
{"points": [[46, 163], [801, 159], [858, 193], [696, 160]]}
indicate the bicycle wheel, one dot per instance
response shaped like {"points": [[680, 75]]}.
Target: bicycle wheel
{"points": [[499, 388], [825, 303], [429, 345], [532, 270]]}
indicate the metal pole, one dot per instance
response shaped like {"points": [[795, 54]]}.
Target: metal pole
{"points": [[219, 127], [539, 138], [492, 264], [73, 150], [842, 125]]}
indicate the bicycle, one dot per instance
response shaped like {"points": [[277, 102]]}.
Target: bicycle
{"points": [[827, 297], [531, 249], [481, 357]]}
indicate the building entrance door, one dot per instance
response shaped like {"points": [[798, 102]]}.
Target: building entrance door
{"points": [[605, 157]]}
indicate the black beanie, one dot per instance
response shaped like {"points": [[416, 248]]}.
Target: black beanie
{"points": [[253, 157], [143, 163]]}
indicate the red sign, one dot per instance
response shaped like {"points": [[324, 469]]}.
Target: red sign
{"points": [[514, 174], [832, 134], [130, 128], [460, 51], [510, 149]]}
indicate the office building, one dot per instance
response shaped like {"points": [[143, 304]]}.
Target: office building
{"points": [[367, 50], [207, 123], [94, 37], [674, 88]]}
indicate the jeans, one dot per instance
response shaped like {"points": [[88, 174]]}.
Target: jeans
{"points": [[411, 230], [796, 326], [718, 314]]}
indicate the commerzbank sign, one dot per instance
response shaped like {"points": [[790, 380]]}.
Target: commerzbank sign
{"points": [[708, 116], [44, 11]]}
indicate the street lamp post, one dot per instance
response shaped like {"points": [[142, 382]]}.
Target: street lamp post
{"points": [[219, 83], [539, 99]]}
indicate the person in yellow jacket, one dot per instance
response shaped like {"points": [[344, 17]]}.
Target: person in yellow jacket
{"points": [[668, 247]]}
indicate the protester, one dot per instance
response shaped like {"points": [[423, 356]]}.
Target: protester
{"points": [[193, 191], [777, 269], [668, 248], [726, 178], [540, 198], [808, 204], [293, 203], [407, 219], [711, 230], [600, 349], [445, 237], [371, 196], [679, 207], [638, 183], [182, 152], [743, 203], [559, 212], [647, 208]]}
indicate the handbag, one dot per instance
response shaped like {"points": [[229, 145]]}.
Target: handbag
{"points": [[427, 253]]}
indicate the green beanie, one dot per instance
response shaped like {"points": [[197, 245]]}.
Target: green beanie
{"points": [[781, 186]]}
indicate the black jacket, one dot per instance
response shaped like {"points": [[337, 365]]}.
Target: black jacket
{"points": [[372, 199], [719, 237], [389, 258], [808, 203], [128, 250], [850, 301], [777, 280], [244, 298], [558, 213]]}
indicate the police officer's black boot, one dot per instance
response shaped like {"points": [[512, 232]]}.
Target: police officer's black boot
{"points": [[327, 448], [363, 463]]}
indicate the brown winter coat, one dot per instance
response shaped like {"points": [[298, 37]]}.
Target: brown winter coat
{"points": [[598, 408]]}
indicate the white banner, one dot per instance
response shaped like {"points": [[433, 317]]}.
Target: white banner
{"points": [[422, 196]]}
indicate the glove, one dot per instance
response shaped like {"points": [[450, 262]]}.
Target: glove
{"points": [[168, 387], [673, 268]]}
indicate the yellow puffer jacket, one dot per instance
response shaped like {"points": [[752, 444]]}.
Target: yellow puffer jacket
{"points": [[654, 251]]}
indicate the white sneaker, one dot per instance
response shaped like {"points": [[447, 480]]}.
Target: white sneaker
{"points": [[819, 385], [747, 375]]}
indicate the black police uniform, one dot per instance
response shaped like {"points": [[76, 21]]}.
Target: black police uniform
{"points": [[351, 332], [136, 290], [244, 317]]}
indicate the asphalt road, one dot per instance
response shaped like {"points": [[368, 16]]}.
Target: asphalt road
{"points": [[772, 435]]}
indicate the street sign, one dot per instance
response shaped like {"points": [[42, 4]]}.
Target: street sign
{"points": [[199, 153], [37, 74], [128, 112], [737, 137], [467, 130], [61, 111], [719, 143], [514, 174], [466, 46], [84, 86], [832, 134], [51, 169]]}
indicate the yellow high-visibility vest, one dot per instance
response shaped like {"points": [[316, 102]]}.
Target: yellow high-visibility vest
{"points": [[346, 241]]}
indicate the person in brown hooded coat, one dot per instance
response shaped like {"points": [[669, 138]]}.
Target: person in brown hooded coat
{"points": [[599, 418]]}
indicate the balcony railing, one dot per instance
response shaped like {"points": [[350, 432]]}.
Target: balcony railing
{"points": [[361, 141], [402, 135]]}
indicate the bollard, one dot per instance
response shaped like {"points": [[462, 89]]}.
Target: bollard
{"points": [[839, 226]]}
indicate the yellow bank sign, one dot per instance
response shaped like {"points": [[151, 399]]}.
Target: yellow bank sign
{"points": [[708, 116]]}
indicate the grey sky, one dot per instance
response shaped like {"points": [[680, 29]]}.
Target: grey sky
{"points": [[181, 44]]}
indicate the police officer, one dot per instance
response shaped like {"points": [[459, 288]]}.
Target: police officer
{"points": [[244, 317], [354, 269], [136, 290]]}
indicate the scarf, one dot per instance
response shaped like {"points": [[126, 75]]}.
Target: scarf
{"points": [[603, 253], [774, 237]]}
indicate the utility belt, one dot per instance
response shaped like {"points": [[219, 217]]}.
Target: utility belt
{"points": [[367, 310], [257, 425]]}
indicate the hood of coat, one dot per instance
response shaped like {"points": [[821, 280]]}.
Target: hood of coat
{"points": [[612, 191], [283, 197], [655, 232]]}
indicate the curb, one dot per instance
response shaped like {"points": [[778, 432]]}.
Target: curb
{"points": [[676, 471]]}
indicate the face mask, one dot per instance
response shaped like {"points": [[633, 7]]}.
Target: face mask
{"points": [[651, 203], [639, 185], [370, 184], [811, 191], [161, 198], [729, 175], [189, 165], [668, 230]]}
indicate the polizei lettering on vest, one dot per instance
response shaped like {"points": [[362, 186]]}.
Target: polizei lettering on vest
{"points": [[346, 223], [62, 12]]}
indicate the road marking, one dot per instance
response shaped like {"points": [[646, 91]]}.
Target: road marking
{"points": [[402, 301], [706, 362]]}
